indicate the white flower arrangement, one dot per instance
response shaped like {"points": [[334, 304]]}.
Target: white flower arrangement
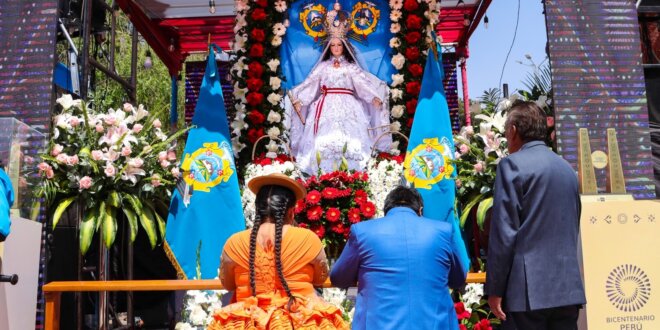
{"points": [[397, 111], [198, 309], [384, 175], [255, 170]]}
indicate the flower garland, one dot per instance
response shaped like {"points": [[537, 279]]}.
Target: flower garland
{"points": [[256, 72], [411, 22], [384, 175]]}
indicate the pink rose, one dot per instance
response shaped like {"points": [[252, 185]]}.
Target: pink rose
{"points": [[99, 128], [112, 155], [162, 156], [155, 180], [175, 172], [164, 163], [479, 167], [62, 158], [57, 149], [136, 162], [73, 160], [43, 167], [126, 151], [458, 183], [97, 154], [85, 182], [137, 128], [464, 149], [110, 120], [110, 170], [157, 123], [49, 173], [28, 159], [74, 121], [171, 155], [128, 107]]}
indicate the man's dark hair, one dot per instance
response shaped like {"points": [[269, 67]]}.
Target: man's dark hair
{"points": [[403, 196], [529, 119]]}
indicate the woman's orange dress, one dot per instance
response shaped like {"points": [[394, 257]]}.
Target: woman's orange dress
{"points": [[268, 310]]}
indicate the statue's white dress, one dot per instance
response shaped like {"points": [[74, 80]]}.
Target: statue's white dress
{"points": [[340, 118]]}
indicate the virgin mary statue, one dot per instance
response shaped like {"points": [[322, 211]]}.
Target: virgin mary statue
{"points": [[341, 110]]}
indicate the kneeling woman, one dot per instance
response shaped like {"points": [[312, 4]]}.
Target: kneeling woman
{"points": [[274, 267]]}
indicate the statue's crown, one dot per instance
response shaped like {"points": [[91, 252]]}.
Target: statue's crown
{"points": [[336, 22]]}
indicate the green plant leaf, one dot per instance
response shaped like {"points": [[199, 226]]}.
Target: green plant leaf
{"points": [[87, 229], [113, 199], [147, 222], [483, 208], [64, 204], [132, 222], [466, 210], [109, 225], [202, 168], [101, 215], [34, 211], [134, 203]]}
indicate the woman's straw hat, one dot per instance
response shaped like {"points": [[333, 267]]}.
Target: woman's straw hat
{"points": [[277, 179]]}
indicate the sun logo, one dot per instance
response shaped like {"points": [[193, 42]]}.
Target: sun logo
{"points": [[208, 166]]}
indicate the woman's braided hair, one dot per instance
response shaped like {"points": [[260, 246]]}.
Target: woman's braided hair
{"points": [[271, 204]]}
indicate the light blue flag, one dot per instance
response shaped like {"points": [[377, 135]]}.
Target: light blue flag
{"points": [[428, 165], [197, 232], [301, 47]]}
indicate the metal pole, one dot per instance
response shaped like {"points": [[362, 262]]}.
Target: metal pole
{"points": [[505, 90], [113, 37], [104, 274], [79, 295], [86, 34], [466, 96], [134, 50], [129, 276]]}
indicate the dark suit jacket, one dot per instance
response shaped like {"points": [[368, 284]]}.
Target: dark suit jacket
{"points": [[532, 255], [403, 264]]}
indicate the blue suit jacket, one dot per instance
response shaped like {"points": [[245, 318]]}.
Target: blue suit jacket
{"points": [[6, 200], [532, 254], [403, 265]]}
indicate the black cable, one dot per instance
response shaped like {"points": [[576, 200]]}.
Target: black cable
{"points": [[515, 33]]}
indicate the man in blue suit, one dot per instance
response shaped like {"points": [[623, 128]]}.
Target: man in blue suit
{"points": [[6, 200], [403, 265], [532, 266]]}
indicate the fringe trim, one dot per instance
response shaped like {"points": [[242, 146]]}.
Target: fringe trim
{"points": [[170, 255]]}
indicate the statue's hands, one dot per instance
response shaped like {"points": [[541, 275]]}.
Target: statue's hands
{"points": [[297, 105], [377, 102]]}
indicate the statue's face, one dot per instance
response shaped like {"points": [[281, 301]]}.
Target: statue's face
{"points": [[336, 47]]}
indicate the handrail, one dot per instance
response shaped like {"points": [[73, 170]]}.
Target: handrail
{"points": [[53, 290]]}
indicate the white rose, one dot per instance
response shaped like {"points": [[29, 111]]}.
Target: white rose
{"points": [[275, 82], [396, 93], [395, 126], [273, 132], [397, 111], [277, 40], [398, 60], [197, 315], [274, 117], [395, 28], [395, 42], [273, 64], [397, 79], [274, 98]]}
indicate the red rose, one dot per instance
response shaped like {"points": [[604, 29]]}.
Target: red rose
{"points": [[413, 37], [483, 324], [354, 215], [262, 3], [330, 193], [314, 213], [254, 99], [462, 327], [254, 84], [410, 5], [313, 197], [414, 22], [257, 50], [412, 54], [368, 209], [258, 35], [300, 206], [460, 311], [411, 106], [413, 88], [416, 70], [332, 214], [318, 230], [254, 134], [255, 70], [258, 14], [410, 122], [360, 197], [256, 117]]}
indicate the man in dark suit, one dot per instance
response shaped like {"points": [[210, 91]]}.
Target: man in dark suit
{"points": [[532, 266], [403, 264]]}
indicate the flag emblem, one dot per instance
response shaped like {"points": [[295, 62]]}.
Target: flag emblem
{"points": [[429, 163], [365, 18], [208, 166]]}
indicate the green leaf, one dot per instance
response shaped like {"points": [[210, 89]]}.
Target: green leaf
{"points": [[161, 224], [34, 212], [87, 229], [101, 215], [64, 204], [109, 225], [134, 203], [483, 208], [113, 199], [147, 222], [132, 222], [466, 210], [202, 168]]}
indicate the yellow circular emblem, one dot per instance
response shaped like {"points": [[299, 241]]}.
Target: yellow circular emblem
{"points": [[429, 163], [208, 166]]}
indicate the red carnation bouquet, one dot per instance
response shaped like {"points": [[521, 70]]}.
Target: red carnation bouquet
{"points": [[334, 202]]}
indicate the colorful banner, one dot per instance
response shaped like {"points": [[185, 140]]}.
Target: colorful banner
{"points": [[370, 36], [196, 233]]}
